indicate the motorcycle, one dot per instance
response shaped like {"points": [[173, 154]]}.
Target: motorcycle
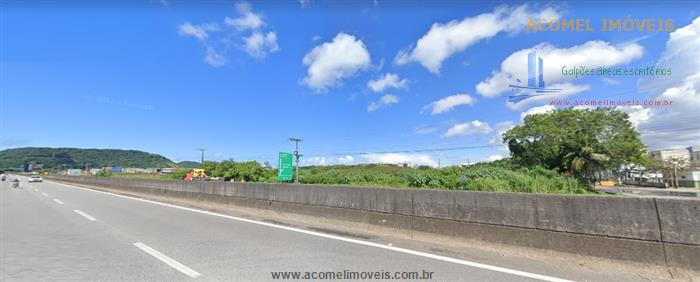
{"points": [[3, 178], [15, 183]]}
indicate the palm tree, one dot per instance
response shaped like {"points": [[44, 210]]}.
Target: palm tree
{"points": [[585, 162]]}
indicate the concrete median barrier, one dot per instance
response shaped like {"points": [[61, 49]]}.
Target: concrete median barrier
{"points": [[644, 230]]}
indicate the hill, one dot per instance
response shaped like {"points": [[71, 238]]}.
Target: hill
{"points": [[58, 158], [187, 164]]}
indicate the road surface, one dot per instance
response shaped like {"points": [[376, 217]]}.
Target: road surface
{"points": [[56, 232]]}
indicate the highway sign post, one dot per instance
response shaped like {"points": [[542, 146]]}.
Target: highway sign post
{"points": [[285, 169]]}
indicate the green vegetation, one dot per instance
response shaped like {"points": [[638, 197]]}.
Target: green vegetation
{"points": [[500, 176], [62, 158], [578, 141], [248, 171]]}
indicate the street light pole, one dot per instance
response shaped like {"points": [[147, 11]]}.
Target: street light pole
{"points": [[201, 164], [297, 156]]}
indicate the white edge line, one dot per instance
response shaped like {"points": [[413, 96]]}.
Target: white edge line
{"points": [[167, 260], [58, 201], [45, 195], [90, 218], [349, 240]]}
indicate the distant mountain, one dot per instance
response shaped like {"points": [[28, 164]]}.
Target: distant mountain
{"points": [[59, 158], [187, 164]]}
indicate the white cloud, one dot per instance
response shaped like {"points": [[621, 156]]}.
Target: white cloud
{"points": [[472, 127], [324, 160], [384, 101], [200, 32], [315, 161], [501, 128], [676, 125], [423, 129], [495, 157], [388, 80], [591, 54], [400, 158], [346, 159], [444, 40], [610, 81], [537, 110], [258, 45], [448, 103], [637, 114], [332, 61], [304, 3], [247, 18], [214, 58]]}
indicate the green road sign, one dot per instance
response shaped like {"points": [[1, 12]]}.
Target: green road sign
{"points": [[285, 169]]}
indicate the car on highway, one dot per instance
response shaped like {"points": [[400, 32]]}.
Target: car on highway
{"points": [[35, 178]]}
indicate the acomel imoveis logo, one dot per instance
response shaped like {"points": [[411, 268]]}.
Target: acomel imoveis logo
{"points": [[535, 81]]}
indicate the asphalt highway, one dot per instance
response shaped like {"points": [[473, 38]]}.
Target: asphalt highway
{"points": [[56, 232]]}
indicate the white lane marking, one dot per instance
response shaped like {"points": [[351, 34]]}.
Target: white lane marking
{"points": [[36, 189], [167, 260], [58, 201], [90, 218], [349, 240], [45, 195]]}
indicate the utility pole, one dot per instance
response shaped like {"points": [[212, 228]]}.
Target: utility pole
{"points": [[201, 164], [297, 156]]}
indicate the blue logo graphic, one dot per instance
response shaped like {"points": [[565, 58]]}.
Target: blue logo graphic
{"points": [[535, 81]]}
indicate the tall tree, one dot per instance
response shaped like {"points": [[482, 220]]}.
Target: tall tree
{"points": [[581, 141]]}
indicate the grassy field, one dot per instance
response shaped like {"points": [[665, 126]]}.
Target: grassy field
{"points": [[499, 176]]}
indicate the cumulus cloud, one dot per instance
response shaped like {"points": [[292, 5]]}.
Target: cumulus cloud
{"points": [[304, 3], [258, 45], [214, 58], [247, 19], [637, 114], [330, 62], [346, 159], [444, 40], [675, 126], [326, 160], [384, 101], [399, 158], [467, 128], [388, 80], [537, 110], [591, 54], [448, 103], [247, 32], [495, 158], [501, 128], [200, 32], [316, 160]]}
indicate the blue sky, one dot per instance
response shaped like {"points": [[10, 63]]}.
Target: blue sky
{"points": [[358, 81]]}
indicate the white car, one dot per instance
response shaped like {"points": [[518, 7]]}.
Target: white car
{"points": [[35, 178]]}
